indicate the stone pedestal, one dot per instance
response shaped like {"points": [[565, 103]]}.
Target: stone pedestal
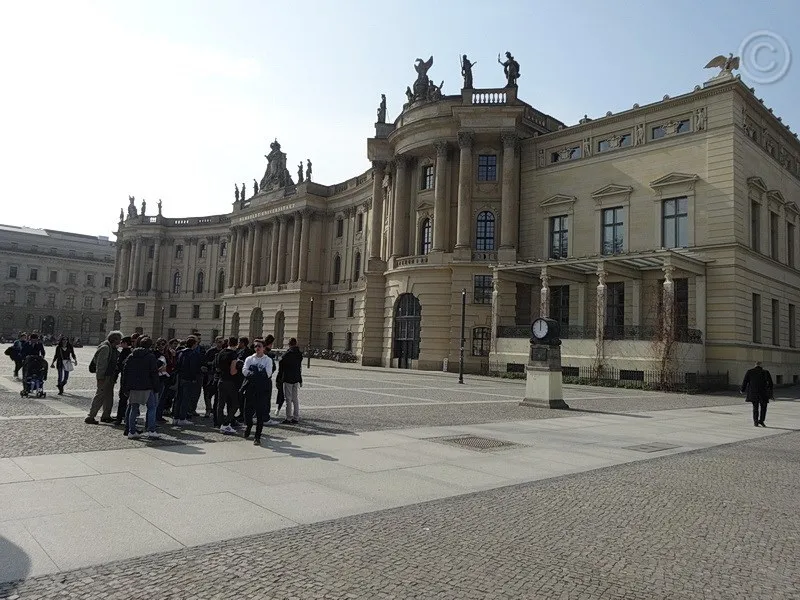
{"points": [[543, 382]]}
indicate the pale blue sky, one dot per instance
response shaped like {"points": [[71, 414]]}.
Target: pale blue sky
{"points": [[179, 100]]}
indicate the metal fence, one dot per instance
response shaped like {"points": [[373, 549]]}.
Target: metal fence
{"points": [[691, 382]]}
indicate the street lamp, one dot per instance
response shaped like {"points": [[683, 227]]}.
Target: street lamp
{"points": [[310, 330], [463, 341]]}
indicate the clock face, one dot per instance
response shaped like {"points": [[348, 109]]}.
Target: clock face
{"points": [[539, 328]]}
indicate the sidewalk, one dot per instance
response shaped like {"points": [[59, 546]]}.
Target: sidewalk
{"points": [[74, 510]]}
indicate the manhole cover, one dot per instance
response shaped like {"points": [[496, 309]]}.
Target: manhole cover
{"points": [[474, 442], [654, 447]]}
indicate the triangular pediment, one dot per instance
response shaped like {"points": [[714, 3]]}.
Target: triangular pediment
{"points": [[674, 179], [557, 200], [612, 189], [425, 204], [776, 196], [791, 206], [757, 183]]}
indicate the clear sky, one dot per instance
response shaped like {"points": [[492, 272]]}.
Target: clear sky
{"points": [[179, 99]]}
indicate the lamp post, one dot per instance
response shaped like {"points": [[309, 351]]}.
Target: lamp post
{"points": [[224, 317], [310, 330], [162, 321], [463, 341]]}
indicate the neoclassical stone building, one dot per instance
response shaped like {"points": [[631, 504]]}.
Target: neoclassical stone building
{"points": [[661, 237], [54, 282]]}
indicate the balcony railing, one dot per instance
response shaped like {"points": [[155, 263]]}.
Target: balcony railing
{"points": [[576, 332], [407, 261], [484, 256]]}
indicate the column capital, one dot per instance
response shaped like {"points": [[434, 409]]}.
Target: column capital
{"points": [[281, 219], [349, 211], [402, 161], [465, 139], [441, 148], [510, 140], [378, 165], [367, 204], [601, 275], [669, 270]]}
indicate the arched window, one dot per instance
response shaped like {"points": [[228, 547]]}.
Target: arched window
{"points": [[425, 236], [348, 342], [357, 267], [221, 282], [337, 269], [201, 282], [68, 325], [329, 341], [148, 282], [176, 283], [484, 233]]}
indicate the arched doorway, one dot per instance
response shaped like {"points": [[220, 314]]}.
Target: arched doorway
{"points": [[235, 325], [256, 324], [117, 320], [407, 319], [280, 325], [48, 325]]}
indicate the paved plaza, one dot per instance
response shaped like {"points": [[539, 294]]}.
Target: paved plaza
{"points": [[374, 495]]}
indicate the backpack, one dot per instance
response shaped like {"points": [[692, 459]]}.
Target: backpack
{"points": [[9, 351]]}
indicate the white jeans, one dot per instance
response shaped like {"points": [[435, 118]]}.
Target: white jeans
{"points": [[290, 396]]}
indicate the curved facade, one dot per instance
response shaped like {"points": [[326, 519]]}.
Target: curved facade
{"points": [[615, 226]]}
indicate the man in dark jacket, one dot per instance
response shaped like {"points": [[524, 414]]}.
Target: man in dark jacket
{"points": [[290, 371], [104, 366], [758, 385], [122, 405], [226, 368], [140, 384], [190, 376], [209, 376]]}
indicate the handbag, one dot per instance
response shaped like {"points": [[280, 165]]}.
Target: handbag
{"points": [[67, 365]]}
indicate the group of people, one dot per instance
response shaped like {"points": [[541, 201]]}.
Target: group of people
{"points": [[28, 350], [167, 378]]}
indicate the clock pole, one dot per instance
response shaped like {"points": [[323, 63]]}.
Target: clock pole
{"points": [[463, 341]]}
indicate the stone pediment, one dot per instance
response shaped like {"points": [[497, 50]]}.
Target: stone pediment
{"points": [[776, 196], [757, 183], [675, 179], [791, 206], [612, 190], [425, 202], [558, 200]]}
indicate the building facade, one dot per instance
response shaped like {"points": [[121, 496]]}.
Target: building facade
{"points": [[662, 237], [54, 283]]}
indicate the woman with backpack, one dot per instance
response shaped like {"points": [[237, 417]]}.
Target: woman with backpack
{"points": [[65, 361]]}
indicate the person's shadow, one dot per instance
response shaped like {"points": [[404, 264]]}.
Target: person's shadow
{"points": [[283, 446], [14, 566]]}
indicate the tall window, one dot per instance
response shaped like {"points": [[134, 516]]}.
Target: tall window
{"points": [[195, 311], [776, 322], [790, 244], [675, 223], [792, 326], [51, 300], [348, 341], [482, 289], [357, 267], [34, 275], [339, 227], [615, 310], [755, 225], [481, 338], [12, 297], [756, 318], [559, 306], [773, 235], [140, 309], [54, 277], [221, 282], [107, 281], [487, 167], [173, 312], [223, 249], [30, 299], [360, 222], [176, 283], [216, 312], [69, 302], [351, 307], [201, 282], [613, 231], [148, 281], [151, 251], [87, 302], [72, 278], [427, 178], [681, 287], [484, 238], [202, 251], [331, 308], [425, 242], [559, 234], [329, 341], [179, 251], [337, 269], [12, 272]]}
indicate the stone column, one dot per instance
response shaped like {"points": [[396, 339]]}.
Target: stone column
{"points": [[256, 254], [273, 257], [465, 139], [123, 267], [401, 208], [544, 296], [238, 266], [580, 321], [509, 221], [636, 303], [495, 312], [232, 255], [440, 202], [376, 216], [304, 245], [600, 314], [247, 263], [668, 303], [117, 266], [281, 249], [700, 305], [156, 265], [296, 233], [136, 259], [263, 270]]}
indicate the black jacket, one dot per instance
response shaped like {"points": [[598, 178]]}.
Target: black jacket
{"points": [[140, 371], [63, 354], [222, 365], [190, 363], [758, 384], [290, 367]]}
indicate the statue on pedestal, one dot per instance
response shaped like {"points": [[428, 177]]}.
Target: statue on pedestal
{"points": [[159, 207], [144, 206], [121, 215], [510, 69], [300, 172], [308, 169], [255, 187], [132, 207], [382, 109], [276, 175], [424, 90], [466, 71], [726, 65], [236, 193], [244, 191]]}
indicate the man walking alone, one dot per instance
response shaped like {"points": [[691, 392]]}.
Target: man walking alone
{"points": [[290, 371], [758, 385]]}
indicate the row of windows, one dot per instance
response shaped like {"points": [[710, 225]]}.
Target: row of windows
{"points": [[774, 237], [55, 252], [32, 300], [199, 283], [351, 308], [484, 233], [487, 171], [776, 322], [173, 311], [72, 278], [359, 225], [337, 268], [202, 250], [481, 340], [48, 324]]}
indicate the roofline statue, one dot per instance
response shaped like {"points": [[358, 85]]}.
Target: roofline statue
{"points": [[726, 65]]}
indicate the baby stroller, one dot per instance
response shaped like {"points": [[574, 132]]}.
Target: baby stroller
{"points": [[34, 374]]}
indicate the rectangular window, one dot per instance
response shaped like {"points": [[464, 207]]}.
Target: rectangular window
{"points": [[755, 225], [151, 251], [53, 276], [339, 228], [790, 244], [12, 272], [351, 307], [30, 299], [776, 322], [331, 308], [223, 249], [70, 302], [72, 278], [12, 297], [104, 303], [348, 341], [675, 223], [614, 142], [87, 302], [360, 222], [179, 251], [615, 311], [51, 300], [559, 306], [107, 282], [482, 289], [481, 338], [559, 244], [792, 325], [756, 318], [89, 280], [173, 311], [329, 340], [613, 231], [487, 167], [217, 309], [34, 275], [773, 235], [658, 132], [171, 333], [203, 250], [195, 311], [140, 309], [427, 177]]}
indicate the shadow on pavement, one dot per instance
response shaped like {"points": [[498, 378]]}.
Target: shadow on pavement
{"points": [[282, 446], [14, 566], [313, 427], [604, 412]]}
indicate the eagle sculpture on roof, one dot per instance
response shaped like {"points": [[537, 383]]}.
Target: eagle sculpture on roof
{"points": [[727, 65]]}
